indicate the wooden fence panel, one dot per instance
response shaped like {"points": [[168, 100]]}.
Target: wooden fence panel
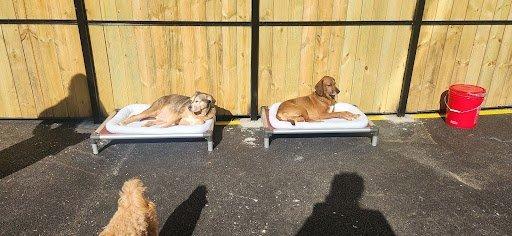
{"points": [[367, 62], [37, 9], [471, 9], [138, 64], [45, 67], [183, 10], [473, 54], [324, 10], [42, 73]]}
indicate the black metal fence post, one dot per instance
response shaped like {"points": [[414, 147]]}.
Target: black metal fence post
{"points": [[85, 40], [411, 56], [255, 37]]}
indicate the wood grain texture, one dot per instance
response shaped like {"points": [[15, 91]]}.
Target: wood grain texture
{"points": [[359, 61], [471, 54], [178, 60], [37, 9], [343, 10], [475, 9], [42, 75], [179, 10], [44, 68]]}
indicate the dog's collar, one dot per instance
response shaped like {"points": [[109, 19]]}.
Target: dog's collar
{"points": [[208, 112], [327, 100], [209, 109]]}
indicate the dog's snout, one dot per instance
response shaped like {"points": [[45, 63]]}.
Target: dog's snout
{"points": [[209, 101], [337, 90]]}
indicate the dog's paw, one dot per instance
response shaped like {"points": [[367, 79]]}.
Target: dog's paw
{"points": [[148, 124], [354, 116], [349, 116]]}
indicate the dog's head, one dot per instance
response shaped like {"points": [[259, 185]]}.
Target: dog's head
{"points": [[133, 190], [326, 87], [201, 103]]}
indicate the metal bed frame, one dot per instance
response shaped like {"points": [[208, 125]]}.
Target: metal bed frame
{"points": [[102, 133], [371, 130]]}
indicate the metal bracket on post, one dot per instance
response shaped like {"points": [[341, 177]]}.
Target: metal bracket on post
{"points": [[85, 40]]}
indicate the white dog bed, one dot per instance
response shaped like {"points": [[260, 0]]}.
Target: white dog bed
{"points": [[360, 126], [111, 130], [335, 123], [113, 125]]}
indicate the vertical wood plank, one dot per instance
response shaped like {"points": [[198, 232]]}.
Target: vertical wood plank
{"points": [[279, 53], [9, 105], [434, 58], [293, 49], [101, 64], [308, 48], [480, 43], [16, 58], [349, 51]]}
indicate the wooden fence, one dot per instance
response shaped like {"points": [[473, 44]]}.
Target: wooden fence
{"points": [[145, 49], [41, 66], [473, 54]]}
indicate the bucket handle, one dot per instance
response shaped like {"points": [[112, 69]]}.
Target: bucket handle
{"points": [[457, 111]]}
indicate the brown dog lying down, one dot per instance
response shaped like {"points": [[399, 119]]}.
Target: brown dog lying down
{"points": [[135, 215], [314, 107], [177, 109]]}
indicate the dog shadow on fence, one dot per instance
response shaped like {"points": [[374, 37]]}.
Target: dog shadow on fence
{"points": [[340, 213], [48, 138], [184, 218]]}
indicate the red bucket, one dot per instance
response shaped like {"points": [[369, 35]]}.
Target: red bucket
{"points": [[463, 105]]}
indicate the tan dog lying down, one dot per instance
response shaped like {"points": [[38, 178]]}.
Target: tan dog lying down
{"points": [[314, 107], [135, 215], [177, 109]]}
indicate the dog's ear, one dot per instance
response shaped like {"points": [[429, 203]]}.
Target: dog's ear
{"points": [[193, 97], [319, 88], [212, 100]]}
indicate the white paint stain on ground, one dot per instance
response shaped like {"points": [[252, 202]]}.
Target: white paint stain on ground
{"points": [[399, 120], [251, 124], [250, 141], [298, 158]]}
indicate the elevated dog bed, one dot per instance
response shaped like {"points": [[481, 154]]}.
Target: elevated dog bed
{"points": [[362, 125], [111, 130]]}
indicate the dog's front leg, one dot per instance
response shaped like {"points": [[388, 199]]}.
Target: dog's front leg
{"points": [[170, 122], [153, 122], [345, 115], [342, 115]]}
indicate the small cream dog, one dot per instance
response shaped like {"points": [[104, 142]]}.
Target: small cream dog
{"points": [[136, 214]]}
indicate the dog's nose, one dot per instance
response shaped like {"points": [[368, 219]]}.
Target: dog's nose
{"points": [[209, 101], [337, 91]]}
